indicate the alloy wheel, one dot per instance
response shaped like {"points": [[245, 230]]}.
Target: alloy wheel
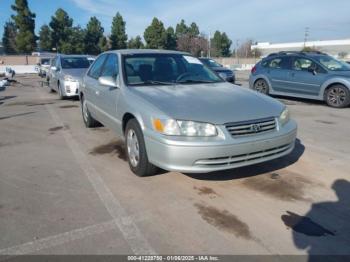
{"points": [[261, 86], [85, 111], [133, 148], [336, 96]]}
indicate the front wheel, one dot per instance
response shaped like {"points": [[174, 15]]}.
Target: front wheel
{"points": [[338, 96], [136, 150], [89, 121], [261, 86], [60, 92]]}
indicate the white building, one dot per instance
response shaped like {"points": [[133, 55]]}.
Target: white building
{"points": [[336, 48]]}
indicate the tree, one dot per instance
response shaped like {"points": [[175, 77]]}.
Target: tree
{"points": [[181, 28], [135, 43], [342, 54], [75, 41], [9, 38], [221, 45], [193, 30], [197, 46], [171, 42], [25, 24], [118, 36], [309, 49], [155, 35], [61, 25], [94, 32], [103, 44], [45, 42]]}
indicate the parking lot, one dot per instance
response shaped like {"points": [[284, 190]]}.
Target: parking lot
{"points": [[65, 189]]}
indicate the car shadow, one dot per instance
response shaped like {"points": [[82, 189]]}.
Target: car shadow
{"points": [[253, 170], [296, 100]]}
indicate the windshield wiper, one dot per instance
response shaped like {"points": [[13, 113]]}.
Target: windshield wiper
{"points": [[154, 82], [196, 81]]}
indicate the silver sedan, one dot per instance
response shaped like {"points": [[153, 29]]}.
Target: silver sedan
{"points": [[176, 114]]}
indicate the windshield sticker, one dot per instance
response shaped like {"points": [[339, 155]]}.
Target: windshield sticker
{"points": [[192, 60]]}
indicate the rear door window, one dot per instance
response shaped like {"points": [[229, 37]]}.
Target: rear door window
{"points": [[277, 63]]}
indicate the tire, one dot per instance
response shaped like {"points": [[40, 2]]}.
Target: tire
{"points": [[89, 121], [337, 96], [138, 163], [61, 96], [261, 86]]}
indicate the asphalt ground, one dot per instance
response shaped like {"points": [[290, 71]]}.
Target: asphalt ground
{"points": [[65, 189]]}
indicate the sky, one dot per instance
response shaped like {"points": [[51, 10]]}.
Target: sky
{"points": [[272, 21]]}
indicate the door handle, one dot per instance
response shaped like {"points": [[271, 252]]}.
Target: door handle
{"points": [[97, 93]]}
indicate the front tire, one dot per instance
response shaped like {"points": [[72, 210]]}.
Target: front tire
{"points": [[261, 86], [136, 150], [60, 93], [338, 96], [89, 121]]}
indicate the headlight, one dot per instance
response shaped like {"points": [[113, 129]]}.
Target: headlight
{"points": [[70, 79], [284, 117], [172, 127]]}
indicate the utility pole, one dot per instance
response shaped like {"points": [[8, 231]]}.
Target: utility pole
{"points": [[237, 44], [209, 45], [307, 34]]}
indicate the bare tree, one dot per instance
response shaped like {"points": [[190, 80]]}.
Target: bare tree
{"points": [[196, 45]]}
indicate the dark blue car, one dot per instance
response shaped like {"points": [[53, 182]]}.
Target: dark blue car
{"points": [[312, 75]]}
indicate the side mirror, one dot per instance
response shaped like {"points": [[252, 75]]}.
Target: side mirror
{"points": [[312, 69], [108, 81]]}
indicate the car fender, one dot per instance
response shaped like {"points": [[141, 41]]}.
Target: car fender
{"points": [[334, 80], [142, 110]]}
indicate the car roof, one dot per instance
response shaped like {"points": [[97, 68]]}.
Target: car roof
{"points": [[293, 53], [67, 56], [145, 51]]}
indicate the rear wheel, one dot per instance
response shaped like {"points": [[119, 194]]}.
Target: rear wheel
{"points": [[338, 96], [261, 86], [89, 121], [136, 150]]}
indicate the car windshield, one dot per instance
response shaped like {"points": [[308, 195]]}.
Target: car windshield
{"points": [[210, 63], [75, 62], [333, 64], [166, 69], [45, 61]]}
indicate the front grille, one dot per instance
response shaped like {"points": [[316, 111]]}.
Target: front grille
{"points": [[238, 159], [251, 127]]}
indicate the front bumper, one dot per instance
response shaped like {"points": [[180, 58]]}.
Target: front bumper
{"points": [[70, 88], [204, 157]]}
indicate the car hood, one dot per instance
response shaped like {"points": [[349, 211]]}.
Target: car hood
{"points": [[213, 103], [77, 73]]}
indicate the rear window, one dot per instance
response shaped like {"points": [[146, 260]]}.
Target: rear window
{"points": [[45, 61], [74, 62]]}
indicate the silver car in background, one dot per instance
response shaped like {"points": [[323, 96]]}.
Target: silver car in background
{"points": [[66, 74], [177, 114]]}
